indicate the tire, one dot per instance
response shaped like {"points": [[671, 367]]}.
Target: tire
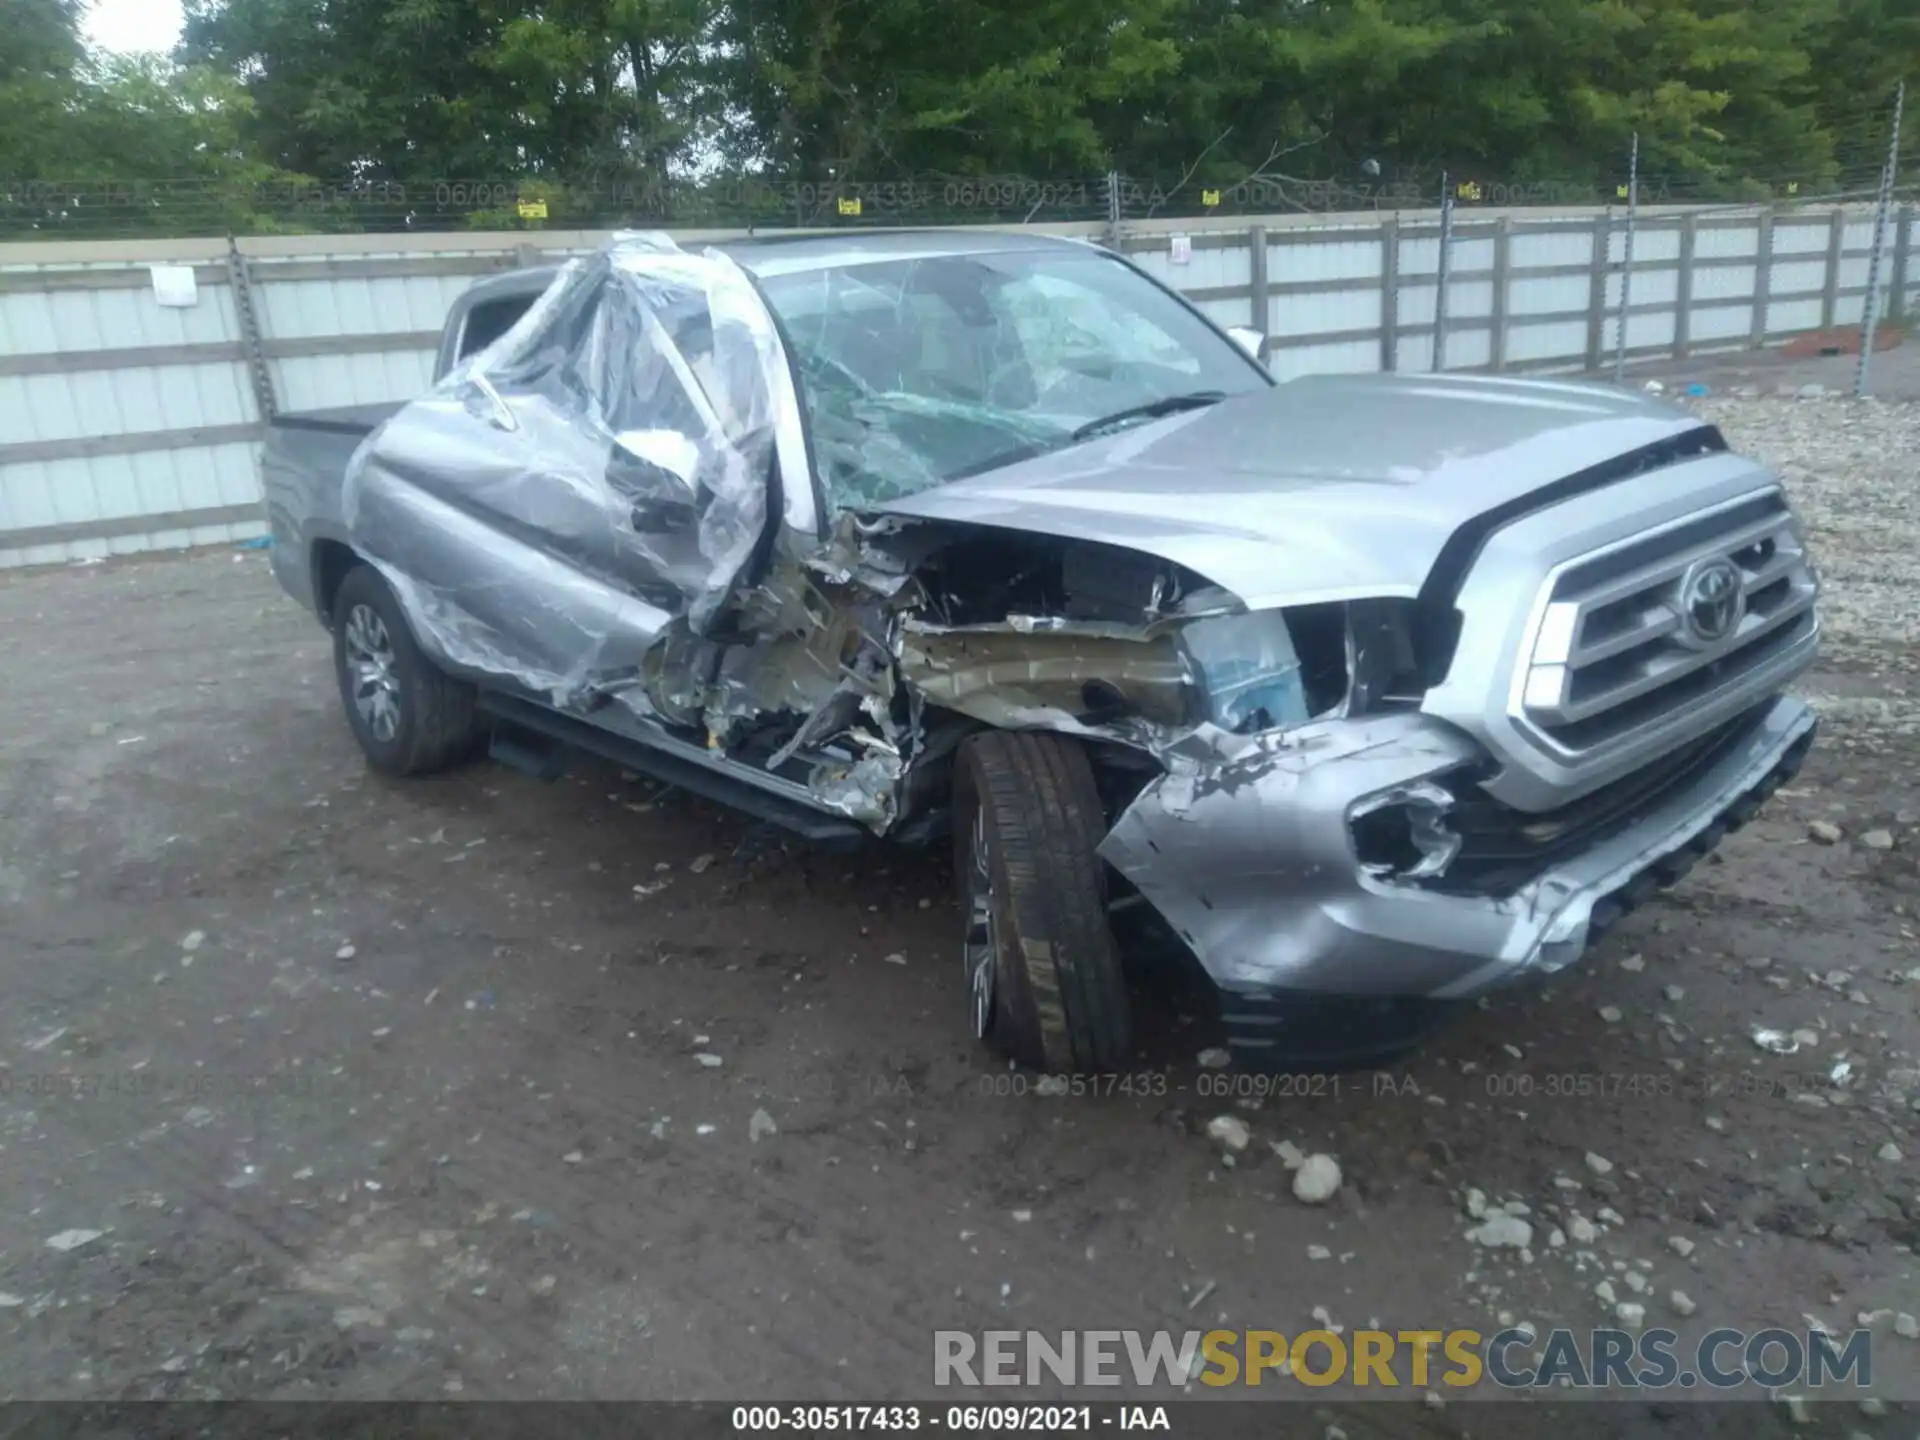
{"points": [[409, 716], [1044, 979]]}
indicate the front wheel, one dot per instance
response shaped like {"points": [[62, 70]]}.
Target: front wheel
{"points": [[1044, 979], [410, 717]]}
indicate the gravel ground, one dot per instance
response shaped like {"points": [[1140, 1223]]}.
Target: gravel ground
{"points": [[1853, 466], [313, 1085]]}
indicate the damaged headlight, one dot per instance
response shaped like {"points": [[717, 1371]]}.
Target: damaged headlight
{"points": [[1247, 671], [1405, 833]]}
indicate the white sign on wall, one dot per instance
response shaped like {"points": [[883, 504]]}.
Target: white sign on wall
{"points": [[174, 286]]}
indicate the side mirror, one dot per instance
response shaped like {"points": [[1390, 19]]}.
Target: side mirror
{"points": [[1249, 340]]}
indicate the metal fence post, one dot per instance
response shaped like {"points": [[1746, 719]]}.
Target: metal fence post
{"points": [[1597, 286], [1830, 292], [1626, 265], [1683, 286], [240, 286], [1762, 280], [1502, 266], [1389, 295], [1113, 209], [1262, 315], [1870, 305], [1442, 266], [1902, 264]]}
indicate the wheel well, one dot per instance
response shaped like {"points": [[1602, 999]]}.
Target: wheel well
{"points": [[331, 562]]}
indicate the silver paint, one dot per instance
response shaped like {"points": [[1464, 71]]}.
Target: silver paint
{"points": [[1329, 487], [1326, 488], [1254, 865]]}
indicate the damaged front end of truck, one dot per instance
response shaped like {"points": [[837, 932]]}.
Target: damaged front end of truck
{"points": [[591, 511], [900, 636], [664, 512]]}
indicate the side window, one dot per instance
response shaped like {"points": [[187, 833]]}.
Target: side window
{"points": [[489, 320], [551, 361]]}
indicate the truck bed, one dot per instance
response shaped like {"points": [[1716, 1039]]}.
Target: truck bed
{"points": [[357, 420], [302, 466]]}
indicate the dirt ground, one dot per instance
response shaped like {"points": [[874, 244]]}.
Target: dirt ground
{"points": [[380, 1090]]}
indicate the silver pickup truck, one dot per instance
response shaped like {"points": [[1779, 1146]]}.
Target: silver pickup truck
{"points": [[1370, 694]]}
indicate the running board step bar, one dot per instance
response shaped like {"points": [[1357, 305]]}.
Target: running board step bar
{"points": [[529, 752], [535, 738]]}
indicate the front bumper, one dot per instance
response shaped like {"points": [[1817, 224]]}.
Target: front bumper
{"points": [[1253, 863]]}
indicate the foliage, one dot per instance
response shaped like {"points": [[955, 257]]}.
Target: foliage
{"points": [[963, 87], [81, 134], [1855, 64], [637, 107]]}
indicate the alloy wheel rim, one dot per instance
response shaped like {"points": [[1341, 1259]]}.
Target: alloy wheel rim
{"points": [[982, 937], [370, 669]]}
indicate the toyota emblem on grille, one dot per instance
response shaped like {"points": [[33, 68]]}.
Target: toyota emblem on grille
{"points": [[1712, 600]]}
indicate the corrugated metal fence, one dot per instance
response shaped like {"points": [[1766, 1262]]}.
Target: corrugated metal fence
{"points": [[130, 424]]}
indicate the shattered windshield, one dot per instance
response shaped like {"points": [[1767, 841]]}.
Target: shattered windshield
{"points": [[921, 371]]}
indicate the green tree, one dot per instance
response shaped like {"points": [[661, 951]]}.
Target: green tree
{"points": [[93, 144], [1855, 64], [609, 87], [965, 87], [40, 56], [633, 110], [486, 92], [1514, 89], [366, 89]]}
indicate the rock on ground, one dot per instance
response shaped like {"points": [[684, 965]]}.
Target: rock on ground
{"points": [[1316, 1180]]}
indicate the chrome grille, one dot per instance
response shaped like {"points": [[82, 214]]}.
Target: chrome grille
{"points": [[1638, 631]]}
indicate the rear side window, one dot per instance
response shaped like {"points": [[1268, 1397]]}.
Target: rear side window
{"points": [[491, 319]]}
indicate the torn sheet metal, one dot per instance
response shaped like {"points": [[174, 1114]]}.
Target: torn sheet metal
{"points": [[1094, 673], [1424, 808], [1251, 858], [865, 790], [599, 470], [1252, 862]]}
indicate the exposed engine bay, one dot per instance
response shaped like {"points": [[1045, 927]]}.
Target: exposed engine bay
{"points": [[870, 659]]}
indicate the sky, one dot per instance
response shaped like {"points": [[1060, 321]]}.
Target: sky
{"points": [[128, 25]]}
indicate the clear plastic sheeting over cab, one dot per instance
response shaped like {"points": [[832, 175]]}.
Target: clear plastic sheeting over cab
{"points": [[600, 471]]}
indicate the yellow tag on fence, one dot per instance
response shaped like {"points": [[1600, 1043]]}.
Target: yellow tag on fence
{"points": [[850, 206], [1210, 198], [533, 209]]}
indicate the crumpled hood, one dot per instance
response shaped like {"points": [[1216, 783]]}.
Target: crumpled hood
{"points": [[1328, 487]]}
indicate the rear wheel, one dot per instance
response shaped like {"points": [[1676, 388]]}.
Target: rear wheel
{"points": [[409, 716], [1044, 981]]}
